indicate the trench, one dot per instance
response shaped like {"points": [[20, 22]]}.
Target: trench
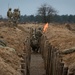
{"points": [[47, 62], [32, 63], [44, 63]]}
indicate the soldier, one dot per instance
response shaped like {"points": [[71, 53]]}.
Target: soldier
{"points": [[34, 43], [38, 33], [16, 16], [9, 13]]}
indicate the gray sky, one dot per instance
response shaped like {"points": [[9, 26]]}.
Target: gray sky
{"points": [[29, 7]]}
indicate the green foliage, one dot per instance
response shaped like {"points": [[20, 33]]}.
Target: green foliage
{"points": [[54, 19], [38, 19]]}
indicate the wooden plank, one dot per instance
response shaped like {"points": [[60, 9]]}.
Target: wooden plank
{"points": [[65, 71]]}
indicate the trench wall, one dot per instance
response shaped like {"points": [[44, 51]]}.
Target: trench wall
{"points": [[52, 59], [51, 56], [26, 58]]}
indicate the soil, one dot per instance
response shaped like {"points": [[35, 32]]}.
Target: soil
{"points": [[14, 38], [63, 38], [58, 35], [37, 65]]}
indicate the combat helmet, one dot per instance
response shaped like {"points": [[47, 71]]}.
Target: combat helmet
{"points": [[39, 28], [10, 9]]}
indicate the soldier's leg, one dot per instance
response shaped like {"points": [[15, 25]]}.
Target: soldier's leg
{"points": [[9, 22]]}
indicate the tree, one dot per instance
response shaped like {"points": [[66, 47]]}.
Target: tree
{"points": [[46, 12]]}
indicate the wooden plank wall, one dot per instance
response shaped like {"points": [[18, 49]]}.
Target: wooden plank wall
{"points": [[26, 58], [52, 59]]}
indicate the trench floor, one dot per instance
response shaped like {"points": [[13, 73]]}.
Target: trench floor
{"points": [[37, 65]]}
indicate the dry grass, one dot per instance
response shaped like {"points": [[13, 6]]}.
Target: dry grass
{"points": [[58, 35], [62, 38]]}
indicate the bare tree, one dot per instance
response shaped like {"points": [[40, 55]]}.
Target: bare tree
{"points": [[46, 12]]}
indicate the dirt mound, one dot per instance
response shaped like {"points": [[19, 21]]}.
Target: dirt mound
{"points": [[14, 39], [63, 38], [9, 61], [60, 36]]}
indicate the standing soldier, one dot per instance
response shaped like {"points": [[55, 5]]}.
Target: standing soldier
{"points": [[9, 15], [16, 16]]}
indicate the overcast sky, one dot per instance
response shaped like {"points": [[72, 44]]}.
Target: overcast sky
{"points": [[29, 7]]}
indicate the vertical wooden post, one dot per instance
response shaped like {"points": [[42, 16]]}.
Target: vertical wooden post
{"points": [[74, 72], [61, 68], [23, 67], [51, 62], [65, 71], [49, 59], [54, 61], [57, 63], [48, 68], [23, 72], [28, 57]]}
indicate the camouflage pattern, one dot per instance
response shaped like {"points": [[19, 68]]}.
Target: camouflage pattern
{"points": [[16, 16], [38, 33], [9, 13], [34, 43], [35, 39]]}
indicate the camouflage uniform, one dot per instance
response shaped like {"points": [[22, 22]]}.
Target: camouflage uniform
{"points": [[34, 43], [38, 33], [35, 39], [9, 13], [16, 16]]}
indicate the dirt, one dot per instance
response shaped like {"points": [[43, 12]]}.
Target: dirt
{"points": [[63, 38], [37, 65], [58, 35], [9, 56]]}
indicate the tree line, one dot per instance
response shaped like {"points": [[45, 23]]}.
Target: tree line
{"points": [[53, 19]]}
